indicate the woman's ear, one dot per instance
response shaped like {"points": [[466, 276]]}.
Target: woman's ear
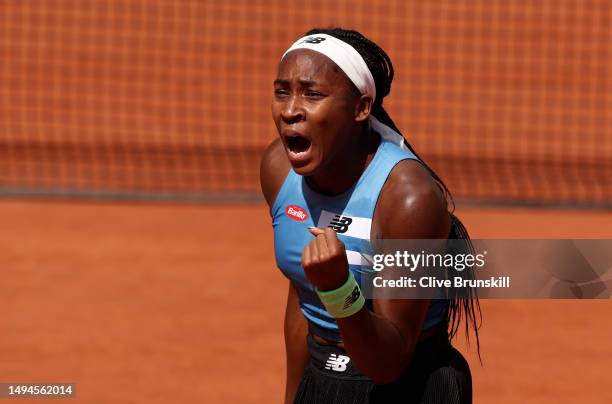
{"points": [[363, 108]]}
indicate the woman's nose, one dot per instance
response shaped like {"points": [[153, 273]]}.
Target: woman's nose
{"points": [[292, 111]]}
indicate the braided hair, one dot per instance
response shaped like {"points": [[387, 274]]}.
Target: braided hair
{"points": [[381, 67]]}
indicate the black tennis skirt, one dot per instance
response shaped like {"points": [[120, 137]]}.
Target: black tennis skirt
{"points": [[437, 373]]}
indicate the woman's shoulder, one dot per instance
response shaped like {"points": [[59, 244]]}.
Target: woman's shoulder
{"points": [[273, 170], [411, 204]]}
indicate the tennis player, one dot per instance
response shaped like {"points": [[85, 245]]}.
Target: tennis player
{"points": [[340, 176]]}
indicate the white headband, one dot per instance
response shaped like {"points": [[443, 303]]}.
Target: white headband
{"points": [[353, 65], [342, 54]]}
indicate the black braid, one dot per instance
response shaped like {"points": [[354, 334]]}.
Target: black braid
{"points": [[381, 67], [375, 57]]}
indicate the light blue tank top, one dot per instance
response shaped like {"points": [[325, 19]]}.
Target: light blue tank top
{"points": [[297, 207]]}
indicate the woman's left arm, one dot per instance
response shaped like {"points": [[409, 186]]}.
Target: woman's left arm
{"points": [[381, 342]]}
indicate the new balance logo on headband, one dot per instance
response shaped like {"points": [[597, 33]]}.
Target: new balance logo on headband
{"points": [[315, 40], [340, 223], [337, 363]]}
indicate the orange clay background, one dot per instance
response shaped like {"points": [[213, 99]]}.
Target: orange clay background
{"points": [[183, 304], [506, 100]]}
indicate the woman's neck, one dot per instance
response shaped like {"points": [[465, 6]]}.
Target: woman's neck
{"points": [[347, 167]]}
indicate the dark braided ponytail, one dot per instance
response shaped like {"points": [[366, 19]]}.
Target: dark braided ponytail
{"points": [[381, 67]]}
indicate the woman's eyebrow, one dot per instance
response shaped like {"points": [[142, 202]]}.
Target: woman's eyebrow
{"points": [[304, 83]]}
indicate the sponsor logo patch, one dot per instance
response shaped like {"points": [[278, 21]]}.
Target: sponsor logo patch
{"points": [[296, 213], [313, 40], [337, 363], [340, 223], [343, 224], [352, 298]]}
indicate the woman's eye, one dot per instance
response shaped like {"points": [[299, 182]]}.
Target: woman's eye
{"points": [[280, 92], [313, 94]]}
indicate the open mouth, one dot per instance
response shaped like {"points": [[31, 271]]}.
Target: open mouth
{"points": [[298, 144]]}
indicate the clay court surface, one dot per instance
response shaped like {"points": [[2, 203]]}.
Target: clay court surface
{"points": [[145, 303]]}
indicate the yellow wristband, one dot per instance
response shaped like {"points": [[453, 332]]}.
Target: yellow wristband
{"points": [[344, 301]]}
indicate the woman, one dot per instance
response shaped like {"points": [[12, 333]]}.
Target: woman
{"points": [[341, 174]]}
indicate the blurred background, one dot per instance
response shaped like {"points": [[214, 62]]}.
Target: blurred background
{"points": [[509, 101], [130, 138]]}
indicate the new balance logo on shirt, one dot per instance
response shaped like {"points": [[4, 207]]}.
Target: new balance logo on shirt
{"points": [[337, 363], [340, 223], [345, 224]]}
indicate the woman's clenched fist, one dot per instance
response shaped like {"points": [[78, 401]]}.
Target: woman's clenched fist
{"points": [[324, 260]]}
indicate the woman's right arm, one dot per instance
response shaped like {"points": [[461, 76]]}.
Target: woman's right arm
{"points": [[296, 329], [273, 171]]}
